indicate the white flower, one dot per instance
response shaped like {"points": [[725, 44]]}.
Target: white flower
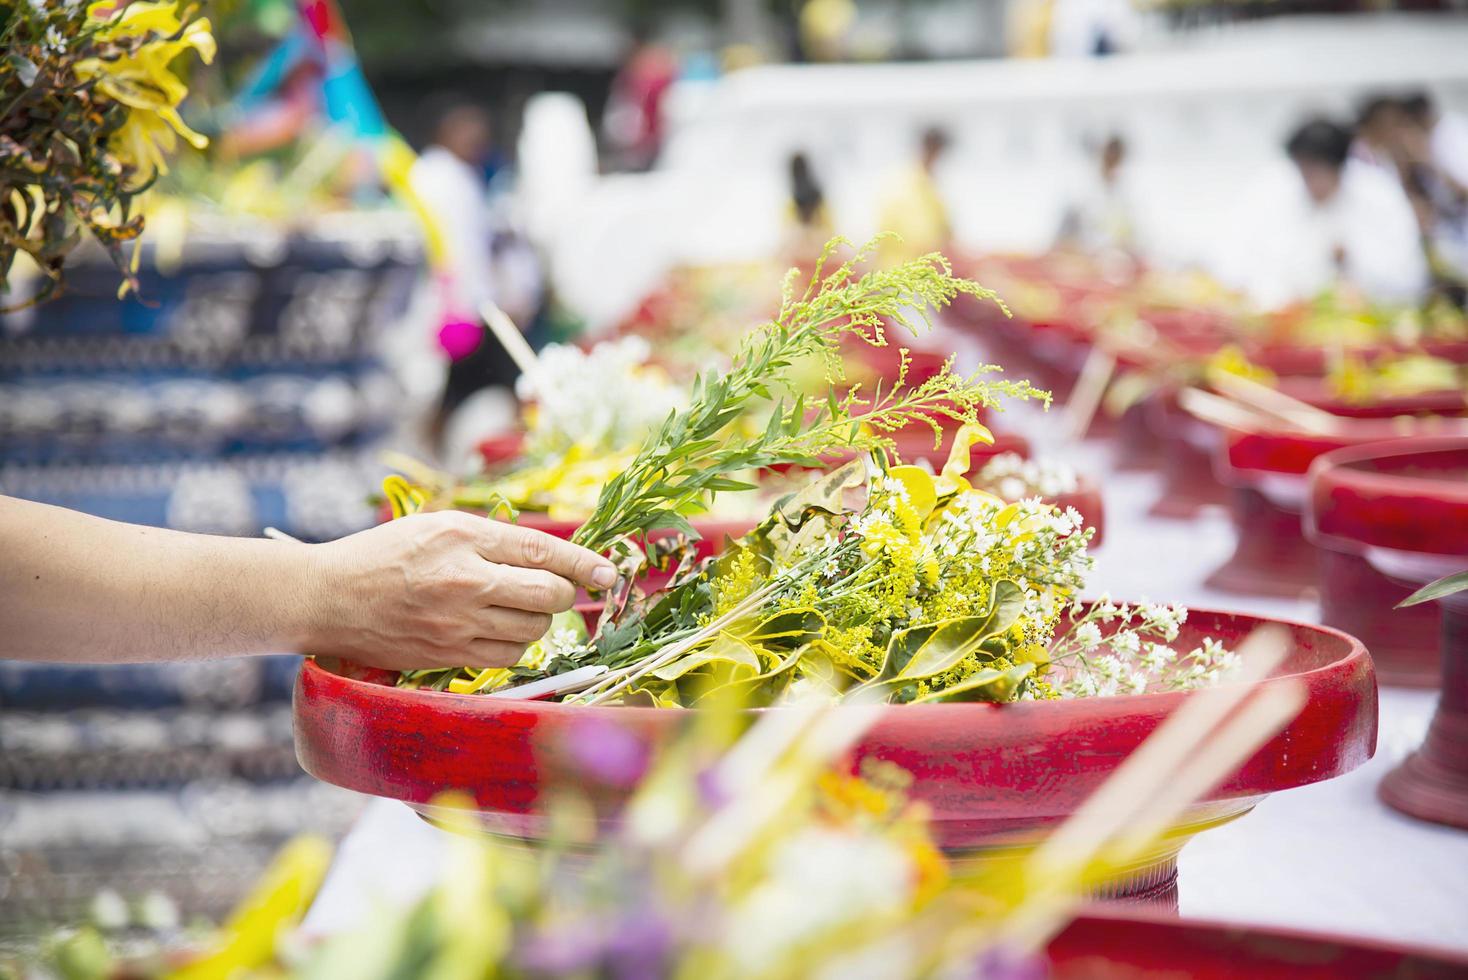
{"points": [[1158, 655], [1088, 635], [1126, 641], [819, 881], [895, 487], [607, 396]]}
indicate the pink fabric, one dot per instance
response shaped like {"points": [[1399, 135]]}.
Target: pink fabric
{"points": [[460, 338]]}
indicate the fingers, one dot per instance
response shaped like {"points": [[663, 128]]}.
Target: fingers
{"points": [[492, 653], [513, 625], [527, 548], [528, 589]]}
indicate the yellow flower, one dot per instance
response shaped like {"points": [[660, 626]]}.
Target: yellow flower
{"points": [[1230, 359], [142, 79]]}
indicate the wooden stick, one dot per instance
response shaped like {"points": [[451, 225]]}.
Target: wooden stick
{"points": [[1090, 389], [510, 337], [1036, 921], [1300, 414], [1220, 411]]}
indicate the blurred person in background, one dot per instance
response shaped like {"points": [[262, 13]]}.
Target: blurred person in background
{"points": [[1436, 141], [808, 220], [1435, 174], [1328, 222], [1444, 242], [1379, 123], [633, 121], [449, 178], [913, 206], [1092, 28], [1100, 215]]}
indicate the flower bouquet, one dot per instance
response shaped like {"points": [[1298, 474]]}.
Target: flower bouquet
{"points": [[879, 582], [587, 412]]}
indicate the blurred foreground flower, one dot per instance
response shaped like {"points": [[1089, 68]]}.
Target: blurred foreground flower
{"points": [[753, 853]]}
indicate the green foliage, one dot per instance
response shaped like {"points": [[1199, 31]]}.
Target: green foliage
{"points": [[1445, 586], [57, 173], [688, 459], [920, 652]]}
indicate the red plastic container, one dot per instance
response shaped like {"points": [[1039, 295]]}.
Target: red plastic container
{"points": [[1402, 507], [994, 775]]}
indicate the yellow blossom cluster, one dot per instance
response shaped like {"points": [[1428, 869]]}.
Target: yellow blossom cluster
{"points": [[154, 35]]}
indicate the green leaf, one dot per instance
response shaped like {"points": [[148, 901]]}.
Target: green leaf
{"points": [[824, 495], [758, 691], [25, 68], [725, 484], [619, 637], [1445, 586], [920, 652], [670, 519], [788, 629], [726, 649], [988, 684]]}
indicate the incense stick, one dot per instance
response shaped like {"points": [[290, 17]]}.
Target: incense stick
{"points": [[1223, 412], [510, 337], [1271, 401], [1090, 389]]}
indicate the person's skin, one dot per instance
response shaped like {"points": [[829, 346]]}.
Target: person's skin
{"points": [[1322, 180], [430, 590], [464, 132], [1113, 155], [933, 147]]}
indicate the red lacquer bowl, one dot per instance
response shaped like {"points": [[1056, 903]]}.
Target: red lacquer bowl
{"points": [[1187, 468], [1400, 511], [1315, 391], [1265, 469], [993, 775], [1130, 945]]}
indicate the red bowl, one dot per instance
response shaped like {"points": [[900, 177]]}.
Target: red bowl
{"points": [[1298, 359], [1189, 446], [1408, 495], [1119, 944], [1400, 509], [1314, 391], [1266, 470], [993, 775]]}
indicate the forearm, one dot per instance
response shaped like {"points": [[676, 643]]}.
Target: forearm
{"points": [[81, 589]]}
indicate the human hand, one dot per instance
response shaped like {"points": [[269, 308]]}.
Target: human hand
{"points": [[445, 590]]}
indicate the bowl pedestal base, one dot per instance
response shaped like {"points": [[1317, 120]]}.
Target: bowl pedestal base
{"points": [[1357, 599], [1272, 557], [1432, 784], [1189, 486]]}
